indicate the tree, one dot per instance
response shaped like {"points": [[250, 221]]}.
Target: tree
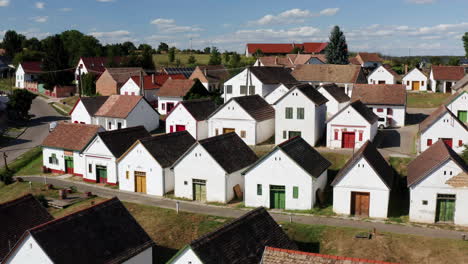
{"points": [[171, 54], [464, 154], [454, 61], [235, 60], [54, 63], [207, 50], [32, 44], [297, 50], [337, 49], [20, 102], [226, 57], [12, 43], [28, 55], [88, 84], [79, 45], [215, 57], [258, 53], [435, 60], [163, 47], [128, 47], [465, 43], [147, 57], [192, 60]]}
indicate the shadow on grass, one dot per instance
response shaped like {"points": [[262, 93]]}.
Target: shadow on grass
{"points": [[162, 254], [313, 247]]}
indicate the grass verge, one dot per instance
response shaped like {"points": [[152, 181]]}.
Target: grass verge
{"points": [[21, 162], [59, 109], [425, 100]]}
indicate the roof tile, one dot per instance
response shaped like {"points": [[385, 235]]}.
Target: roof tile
{"points": [[71, 136]]}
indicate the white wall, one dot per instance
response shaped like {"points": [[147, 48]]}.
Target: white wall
{"points": [[20, 75], [95, 154], [415, 75], [272, 97], [332, 105], [145, 256], [445, 127], [47, 152], [130, 88], [265, 130], [78, 163], [202, 130], [187, 256], [398, 115], [104, 122], [381, 74], [180, 116], [143, 115], [81, 115], [460, 104], [28, 251], [249, 79], [427, 190], [361, 179], [164, 100]]}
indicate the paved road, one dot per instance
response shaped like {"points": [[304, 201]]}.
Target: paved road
{"points": [[233, 213], [37, 130]]}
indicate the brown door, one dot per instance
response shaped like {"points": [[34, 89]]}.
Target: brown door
{"points": [[448, 87], [228, 130], [140, 181], [348, 140], [415, 85], [381, 82], [360, 204]]}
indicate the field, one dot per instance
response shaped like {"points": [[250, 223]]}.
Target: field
{"points": [[426, 100], [201, 59]]}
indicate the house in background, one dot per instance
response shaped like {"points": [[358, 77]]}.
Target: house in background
{"points": [[366, 60], [211, 169], [186, 71], [18, 216], [290, 177], [285, 48], [384, 74], [145, 166], [438, 183], [211, 76], [387, 101], [112, 79], [300, 112], [27, 71], [337, 98], [101, 154], [173, 91], [351, 127], [257, 80], [115, 112], [297, 59], [191, 116], [240, 241], [362, 187], [457, 103], [151, 85], [103, 233], [274, 61], [94, 65], [342, 75], [62, 148], [444, 77], [442, 124], [250, 117], [415, 80]]}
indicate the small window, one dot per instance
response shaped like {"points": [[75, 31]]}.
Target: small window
{"points": [[229, 89], [424, 202], [285, 134], [243, 89], [429, 142], [460, 143], [445, 172], [289, 113], [360, 135], [380, 110], [295, 192], [242, 134], [216, 132], [109, 125], [259, 189], [300, 113], [336, 134], [90, 168], [163, 106], [127, 175], [185, 182], [422, 84], [407, 83], [251, 90]]}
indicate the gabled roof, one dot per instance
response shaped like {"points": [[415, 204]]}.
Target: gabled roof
{"points": [[268, 48], [363, 57], [242, 240], [176, 88], [454, 97], [122, 74], [389, 69], [336, 92], [310, 92], [416, 69], [369, 152], [103, 233], [461, 83], [118, 106], [303, 154], [435, 116], [272, 75], [155, 81], [254, 105], [430, 159], [327, 73], [214, 72], [71, 136], [229, 151], [365, 112], [275, 61], [297, 59], [380, 94], [32, 67], [98, 64], [168, 148], [17, 216], [200, 109], [118, 141], [92, 104], [186, 71], [453, 73]]}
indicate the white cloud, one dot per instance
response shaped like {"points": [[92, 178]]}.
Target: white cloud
{"points": [[105, 1], [40, 19], [35, 33], [421, 1], [329, 11], [169, 26], [65, 9], [40, 5], [4, 3], [111, 34], [292, 16], [162, 21]]}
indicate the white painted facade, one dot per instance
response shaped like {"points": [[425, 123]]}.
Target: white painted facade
{"points": [[272, 97], [187, 255], [97, 154], [22, 77], [446, 127], [181, 117], [441, 85], [389, 115], [146, 256], [423, 195], [381, 76], [414, 77], [279, 170], [233, 116], [361, 178], [159, 180], [164, 101], [80, 114], [349, 120], [219, 184], [130, 88], [246, 78], [311, 127], [84, 70], [28, 251], [333, 106], [459, 104], [59, 166]]}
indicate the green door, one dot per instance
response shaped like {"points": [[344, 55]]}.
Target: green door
{"points": [[277, 197], [463, 116], [68, 164], [199, 190], [294, 134], [445, 210], [101, 174]]}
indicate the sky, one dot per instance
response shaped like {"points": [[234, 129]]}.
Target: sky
{"points": [[392, 27]]}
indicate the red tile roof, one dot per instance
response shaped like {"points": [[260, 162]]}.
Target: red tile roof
{"points": [[380, 94], [314, 47], [151, 82], [98, 64], [448, 72], [118, 106], [71, 136], [309, 47], [368, 57], [31, 66], [176, 88]]}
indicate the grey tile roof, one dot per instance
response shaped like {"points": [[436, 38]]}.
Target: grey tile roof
{"points": [[273, 75], [200, 109], [92, 104], [311, 92], [255, 106], [118, 141], [336, 92]]}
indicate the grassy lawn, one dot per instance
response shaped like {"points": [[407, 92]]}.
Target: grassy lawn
{"points": [[68, 102], [7, 83], [400, 165], [26, 162], [62, 110], [426, 100], [32, 168]]}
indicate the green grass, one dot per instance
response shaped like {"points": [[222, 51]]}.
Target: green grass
{"points": [[32, 168], [400, 165], [21, 162], [326, 211], [59, 110], [338, 160], [7, 84], [202, 59], [426, 100]]}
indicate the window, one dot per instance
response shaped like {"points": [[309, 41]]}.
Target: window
{"points": [[229, 89], [460, 143], [424, 202], [429, 142], [289, 113], [300, 113], [295, 192], [422, 83], [259, 189], [127, 175], [407, 83], [242, 134], [53, 159], [389, 111], [216, 132], [109, 126], [360, 135], [119, 125], [380, 110], [243, 89], [185, 182], [163, 106], [285, 134], [336, 134], [90, 168], [251, 90], [445, 172]]}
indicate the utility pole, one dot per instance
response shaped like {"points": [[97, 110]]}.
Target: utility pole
{"points": [[141, 83], [79, 81]]}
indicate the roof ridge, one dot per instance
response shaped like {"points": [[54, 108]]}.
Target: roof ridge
{"points": [[120, 130], [21, 198], [210, 139], [173, 134]]}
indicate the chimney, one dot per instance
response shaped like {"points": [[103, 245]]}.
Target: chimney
{"points": [[152, 78], [406, 68]]}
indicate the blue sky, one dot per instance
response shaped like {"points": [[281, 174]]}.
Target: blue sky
{"points": [[394, 27]]}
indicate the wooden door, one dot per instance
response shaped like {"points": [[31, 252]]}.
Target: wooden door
{"points": [[445, 210], [348, 140], [277, 197], [448, 141], [463, 116], [199, 190], [448, 87], [416, 85], [140, 181], [360, 204], [180, 128], [228, 130]]}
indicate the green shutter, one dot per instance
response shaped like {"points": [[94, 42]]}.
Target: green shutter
{"points": [[285, 134], [251, 90], [259, 189], [243, 89], [295, 192], [463, 116], [289, 113], [300, 113]]}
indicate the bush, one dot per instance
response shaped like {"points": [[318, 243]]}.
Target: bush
{"points": [[41, 198]]}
